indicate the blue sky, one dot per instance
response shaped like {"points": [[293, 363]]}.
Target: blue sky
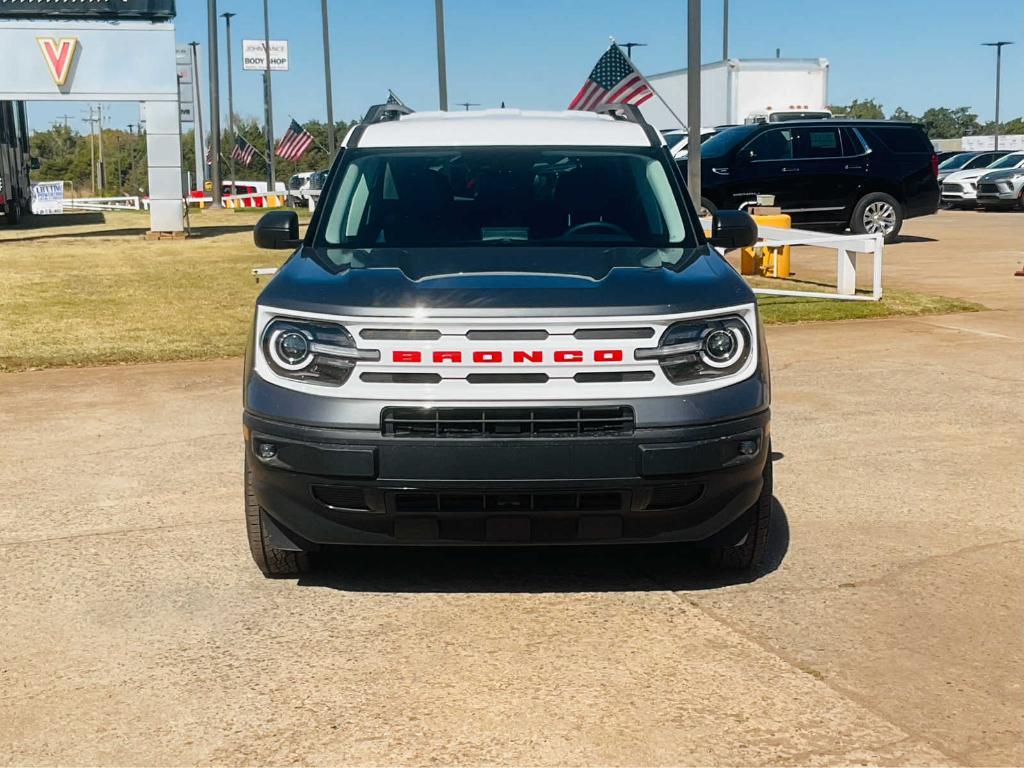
{"points": [[536, 53]]}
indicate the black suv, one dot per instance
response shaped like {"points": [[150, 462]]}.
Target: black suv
{"points": [[868, 175]]}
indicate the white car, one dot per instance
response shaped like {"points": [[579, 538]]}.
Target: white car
{"points": [[960, 189], [677, 139]]}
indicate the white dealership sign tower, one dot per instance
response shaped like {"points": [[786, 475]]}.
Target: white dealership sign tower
{"points": [[103, 50]]}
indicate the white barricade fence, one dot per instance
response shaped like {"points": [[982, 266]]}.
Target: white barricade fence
{"points": [[846, 248], [126, 203], [313, 196]]}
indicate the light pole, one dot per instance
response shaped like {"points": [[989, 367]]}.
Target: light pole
{"points": [[211, 30], [999, 65], [327, 81], [231, 98], [725, 30], [200, 139], [272, 170], [629, 48], [467, 104], [693, 101], [442, 67]]}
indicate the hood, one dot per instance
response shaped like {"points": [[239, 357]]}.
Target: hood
{"points": [[972, 175], [1004, 173], [567, 281]]}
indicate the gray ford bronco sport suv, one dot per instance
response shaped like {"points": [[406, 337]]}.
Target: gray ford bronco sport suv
{"points": [[505, 328]]}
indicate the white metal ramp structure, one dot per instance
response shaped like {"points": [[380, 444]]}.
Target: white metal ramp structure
{"points": [[846, 248]]}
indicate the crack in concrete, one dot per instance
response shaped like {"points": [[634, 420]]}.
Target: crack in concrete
{"points": [[117, 532]]}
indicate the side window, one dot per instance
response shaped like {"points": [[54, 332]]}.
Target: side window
{"points": [[817, 142], [853, 144], [773, 145]]}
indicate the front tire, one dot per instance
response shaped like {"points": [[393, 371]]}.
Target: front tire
{"points": [[273, 562], [748, 551], [878, 213], [13, 214]]}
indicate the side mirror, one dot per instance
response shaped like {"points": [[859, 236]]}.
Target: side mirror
{"points": [[277, 230], [34, 164], [733, 229]]}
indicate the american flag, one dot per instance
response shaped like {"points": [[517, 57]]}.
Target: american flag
{"points": [[243, 152], [295, 142], [614, 80]]}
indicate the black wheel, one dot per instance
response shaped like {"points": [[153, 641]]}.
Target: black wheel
{"points": [[13, 215], [751, 541], [707, 208], [878, 213], [272, 561]]}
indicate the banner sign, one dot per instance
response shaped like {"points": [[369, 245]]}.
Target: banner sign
{"points": [[151, 10], [254, 55], [47, 198]]}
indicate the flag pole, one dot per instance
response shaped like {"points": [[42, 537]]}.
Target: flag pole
{"points": [[648, 84]]}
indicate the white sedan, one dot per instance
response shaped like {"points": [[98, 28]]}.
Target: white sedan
{"points": [[960, 189]]}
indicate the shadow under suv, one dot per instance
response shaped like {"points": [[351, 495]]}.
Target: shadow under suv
{"points": [[868, 175]]}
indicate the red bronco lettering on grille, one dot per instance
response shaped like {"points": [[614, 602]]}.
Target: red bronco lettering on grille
{"points": [[518, 357]]}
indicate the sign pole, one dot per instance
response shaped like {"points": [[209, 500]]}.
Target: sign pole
{"points": [[272, 170]]}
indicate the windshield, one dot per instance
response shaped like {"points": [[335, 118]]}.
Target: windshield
{"points": [[724, 142], [1008, 161], [956, 161], [503, 196]]}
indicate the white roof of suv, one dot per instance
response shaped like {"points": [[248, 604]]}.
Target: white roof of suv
{"points": [[504, 127]]}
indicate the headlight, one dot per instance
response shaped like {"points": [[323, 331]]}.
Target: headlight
{"points": [[317, 352], [698, 350]]}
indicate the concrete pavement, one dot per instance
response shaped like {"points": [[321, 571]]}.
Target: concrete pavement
{"points": [[887, 631]]}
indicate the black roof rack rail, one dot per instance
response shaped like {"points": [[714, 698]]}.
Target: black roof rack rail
{"points": [[378, 113], [632, 114]]}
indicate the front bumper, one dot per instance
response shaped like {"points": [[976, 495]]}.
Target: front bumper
{"points": [[998, 193], [339, 486], [959, 193]]}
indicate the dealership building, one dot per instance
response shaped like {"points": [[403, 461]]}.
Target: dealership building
{"points": [[103, 51]]}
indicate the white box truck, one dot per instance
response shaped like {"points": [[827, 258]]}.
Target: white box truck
{"points": [[744, 90]]}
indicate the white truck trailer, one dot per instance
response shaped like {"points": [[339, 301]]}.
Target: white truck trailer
{"points": [[740, 90]]}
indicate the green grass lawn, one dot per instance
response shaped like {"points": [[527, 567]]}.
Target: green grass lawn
{"points": [[93, 293]]}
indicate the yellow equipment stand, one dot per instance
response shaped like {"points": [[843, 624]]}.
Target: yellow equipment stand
{"points": [[763, 260]]}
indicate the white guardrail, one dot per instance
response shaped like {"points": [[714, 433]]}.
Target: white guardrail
{"points": [[846, 248]]}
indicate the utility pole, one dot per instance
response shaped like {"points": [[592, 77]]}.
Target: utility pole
{"points": [[211, 33], [101, 170], [65, 118], [331, 145], [199, 139], [269, 93], [92, 147], [999, 66], [693, 101], [442, 66], [466, 104], [725, 30], [231, 100]]}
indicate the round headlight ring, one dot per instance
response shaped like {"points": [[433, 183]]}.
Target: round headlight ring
{"points": [[290, 348], [717, 353]]}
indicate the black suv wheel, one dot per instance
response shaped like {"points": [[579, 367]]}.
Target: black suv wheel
{"points": [[878, 213], [272, 561], [750, 533]]}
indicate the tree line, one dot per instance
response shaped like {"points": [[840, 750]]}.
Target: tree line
{"points": [[939, 122], [66, 155]]}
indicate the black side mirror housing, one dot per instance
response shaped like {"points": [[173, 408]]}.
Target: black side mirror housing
{"points": [[34, 164], [733, 229], [277, 230]]}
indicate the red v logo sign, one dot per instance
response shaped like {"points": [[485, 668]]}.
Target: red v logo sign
{"points": [[59, 55]]}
